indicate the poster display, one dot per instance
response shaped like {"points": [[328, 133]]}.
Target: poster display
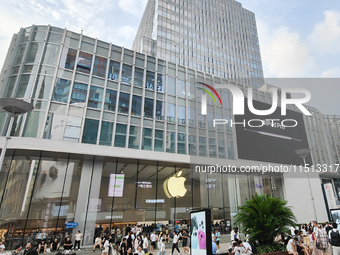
{"points": [[116, 185], [336, 216], [201, 232], [329, 192], [278, 143]]}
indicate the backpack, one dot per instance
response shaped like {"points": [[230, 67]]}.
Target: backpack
{"points": [[287, 240], [335, 238], [253, 248]]}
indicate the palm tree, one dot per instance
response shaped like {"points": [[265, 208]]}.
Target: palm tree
{"points": [[264, 217]]}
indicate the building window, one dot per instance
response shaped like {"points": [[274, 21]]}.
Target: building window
{"points": [[99, 67], [192, 116], [134, 137], [212, 148], [51, 54], [33, 54], [114, 70], [171, 86], [106, 133], [136, 105], [79, 93], [126, 74], [124, 100], [170, 141], [181, 143], [221, 149], [160, 109], [120, 135], [90, 131], [181, 88], [25, 86], [147, 139], [160, 83], [68, 58], [148, 108], [159, 140], [191, 91], [150, 80], [95, 97], [34, 124], [230, 148], [110, 100], [192, 145], [43, 87], [181, 114], [84, 62], [202, 146], [138, 77], [171, 112]]}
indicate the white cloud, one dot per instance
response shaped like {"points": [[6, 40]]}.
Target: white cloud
{"points": [[124, 36], [331, 73], [284, 53], [135, 7], [325, 37]]}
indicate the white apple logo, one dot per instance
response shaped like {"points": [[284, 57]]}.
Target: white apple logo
{"points": [[174, 186]]}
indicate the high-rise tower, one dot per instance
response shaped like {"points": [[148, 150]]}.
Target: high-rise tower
{"points": [[214, 36]]}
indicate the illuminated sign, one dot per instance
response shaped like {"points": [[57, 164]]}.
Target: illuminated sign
{"points": [[116, 185], [154, 201], [174, 186], [144, 185]]}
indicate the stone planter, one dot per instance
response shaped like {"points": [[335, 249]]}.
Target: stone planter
{"points": [[275, 253]]}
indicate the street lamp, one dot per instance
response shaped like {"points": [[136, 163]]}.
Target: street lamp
{"points": [[303, 154], [14, 107]]}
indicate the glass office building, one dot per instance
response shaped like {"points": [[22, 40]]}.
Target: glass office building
{"points": [[218, 37], [109, 126]]}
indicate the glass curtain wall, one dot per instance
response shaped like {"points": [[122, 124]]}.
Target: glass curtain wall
{"points": [[44, 193]]}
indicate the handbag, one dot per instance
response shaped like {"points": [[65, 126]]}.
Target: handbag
{"points": [[318, 244]]}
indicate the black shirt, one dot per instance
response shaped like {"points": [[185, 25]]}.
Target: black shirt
{"points": [[54, 246], [68, 245], [31, 252], [185, 240], [123, 246]]}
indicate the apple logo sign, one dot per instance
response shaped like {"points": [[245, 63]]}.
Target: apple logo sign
{"points": [[174, 186]]}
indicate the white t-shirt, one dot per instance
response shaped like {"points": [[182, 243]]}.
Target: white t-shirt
{"points": [[2, 247], [175, 239], [106, 246], [98, 240], [138, 230], [141, 252], [232, 233], [289, 245], [79, 236], [163, 247], [153, 237], [247, 245], [292, 231], [145, 243]]}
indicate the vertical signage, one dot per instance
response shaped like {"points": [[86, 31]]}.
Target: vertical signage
{"points": [[330, 195], [116, 186], [201, 232]]}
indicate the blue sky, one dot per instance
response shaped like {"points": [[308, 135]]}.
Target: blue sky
{"points": [[298, 38]]}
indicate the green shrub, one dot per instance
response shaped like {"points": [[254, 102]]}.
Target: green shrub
{"points": [[269, 248], [264, 217]]}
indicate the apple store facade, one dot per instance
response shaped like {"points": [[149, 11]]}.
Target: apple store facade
{"points": [[112, 133]]}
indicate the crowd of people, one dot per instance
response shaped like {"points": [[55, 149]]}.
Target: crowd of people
{"points": [[136, 241], [38, 245], [323, 237]]}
